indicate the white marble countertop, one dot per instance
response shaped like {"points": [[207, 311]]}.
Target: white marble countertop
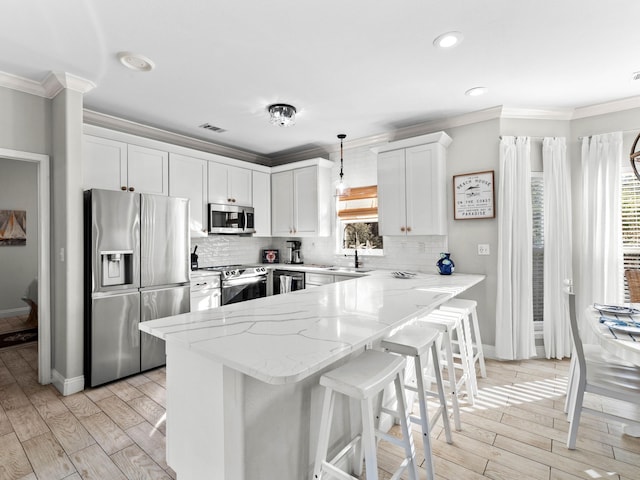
{"points": [[286, 338]]}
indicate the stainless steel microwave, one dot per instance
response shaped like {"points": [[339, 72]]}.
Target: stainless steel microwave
{"points": [[230, 219]]}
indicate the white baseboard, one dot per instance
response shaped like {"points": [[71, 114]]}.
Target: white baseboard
{"points": [[14, 312], [67, 386], [490, 351]]}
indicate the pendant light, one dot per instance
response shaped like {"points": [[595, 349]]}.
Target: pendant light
{"points": [[342, 188]]}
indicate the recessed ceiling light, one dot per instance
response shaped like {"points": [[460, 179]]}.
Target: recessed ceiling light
{"points": [[135, 61], [448, 40], [476, 91]]}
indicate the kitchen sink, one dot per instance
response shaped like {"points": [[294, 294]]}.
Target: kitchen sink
{"points": [[348, 270]]}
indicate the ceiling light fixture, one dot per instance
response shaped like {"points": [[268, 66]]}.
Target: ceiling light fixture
{"points": [[476, 91], [342, 188], [135, 61], [448, 40], [282, 114]]}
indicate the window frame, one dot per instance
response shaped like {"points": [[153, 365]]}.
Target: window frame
{"points": [[359, 214]]}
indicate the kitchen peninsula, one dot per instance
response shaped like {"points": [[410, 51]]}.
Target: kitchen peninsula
{"points": [[243, 399]]}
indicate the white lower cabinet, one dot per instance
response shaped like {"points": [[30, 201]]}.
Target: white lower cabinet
{"points": [[412, 186], [317, 279], [188, 179], [301, 200]]}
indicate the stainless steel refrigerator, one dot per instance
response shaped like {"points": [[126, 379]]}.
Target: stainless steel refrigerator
{"points": [[136, 269]]}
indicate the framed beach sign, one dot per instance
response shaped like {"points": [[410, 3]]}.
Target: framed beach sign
{"points": [[473, 196], [13, 227]]}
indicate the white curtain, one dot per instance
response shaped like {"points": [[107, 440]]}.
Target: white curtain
{"points": [[514, 304], [600, 261], [557, 247]]}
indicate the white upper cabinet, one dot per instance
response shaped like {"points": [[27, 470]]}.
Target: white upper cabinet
{"points": [[229, 185], [114, 165], [148, 170], [188, 179], [282, 204], [261, 183], [412, 187], [305, 201], [301, 199]]}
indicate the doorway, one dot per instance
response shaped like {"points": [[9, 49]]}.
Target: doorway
{"points": [[43, 301]]}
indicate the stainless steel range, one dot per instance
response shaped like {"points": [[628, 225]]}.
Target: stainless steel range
{"points": [[241, 282]]}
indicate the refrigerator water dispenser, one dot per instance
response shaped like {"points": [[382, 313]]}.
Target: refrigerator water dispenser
{"points": [[117, 268]]}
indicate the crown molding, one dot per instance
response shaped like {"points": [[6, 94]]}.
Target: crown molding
{"points": [[395, 135], [538, 114], [56, 81], [21, 84], [492, 113], [49, 87], [127, 126], [608, 107], [437, 137]]}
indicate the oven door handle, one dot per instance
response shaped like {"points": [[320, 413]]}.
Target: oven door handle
{"points": [[243, 281]]}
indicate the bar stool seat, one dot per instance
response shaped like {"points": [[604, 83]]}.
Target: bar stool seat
{"points": [[415, 340], [364, 378], [469, 309]]}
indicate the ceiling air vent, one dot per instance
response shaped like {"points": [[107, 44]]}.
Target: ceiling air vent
{"points": [[635, 76], [213, 128]]}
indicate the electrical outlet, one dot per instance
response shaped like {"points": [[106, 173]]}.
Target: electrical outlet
{"points": [[483, 249]]}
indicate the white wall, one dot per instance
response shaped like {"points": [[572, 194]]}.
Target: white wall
{"points": [[67, 244], [18, 264], [475, 148]]}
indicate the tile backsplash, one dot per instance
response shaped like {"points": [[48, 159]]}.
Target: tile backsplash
{"points": [[418, 253], [216, 250]]}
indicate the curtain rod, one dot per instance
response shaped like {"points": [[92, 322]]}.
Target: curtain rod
{"points": [[579, 138], [533, 138], [622, 131]]}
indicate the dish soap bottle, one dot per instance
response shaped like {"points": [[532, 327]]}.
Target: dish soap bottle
{"points": [[445, 264]]}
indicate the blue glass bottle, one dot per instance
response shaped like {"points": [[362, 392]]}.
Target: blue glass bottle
{"points": [[445, 264]]}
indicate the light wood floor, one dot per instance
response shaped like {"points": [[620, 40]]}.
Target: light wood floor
{"points": [[516, 430], [17, 323]]}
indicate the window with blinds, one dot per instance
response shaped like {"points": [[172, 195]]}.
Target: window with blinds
{"points": [[358, 218], [630, 203], [537, 204]]}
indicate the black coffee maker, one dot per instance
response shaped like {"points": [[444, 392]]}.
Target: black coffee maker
{"points": [[295, 256]]}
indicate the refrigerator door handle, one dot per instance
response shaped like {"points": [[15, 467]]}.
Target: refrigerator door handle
{"points": [[164, 287], [118, 293]]}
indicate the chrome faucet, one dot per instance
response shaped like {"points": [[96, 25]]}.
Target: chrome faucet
{"points": [[346, 243]]}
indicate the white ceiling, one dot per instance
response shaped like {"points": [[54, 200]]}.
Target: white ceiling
{"points": [[356, 67]]}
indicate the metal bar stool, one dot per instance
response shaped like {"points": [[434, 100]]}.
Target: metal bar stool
{"points": [[415, 340], [450, 324], [469, 309], [364, 378]]}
